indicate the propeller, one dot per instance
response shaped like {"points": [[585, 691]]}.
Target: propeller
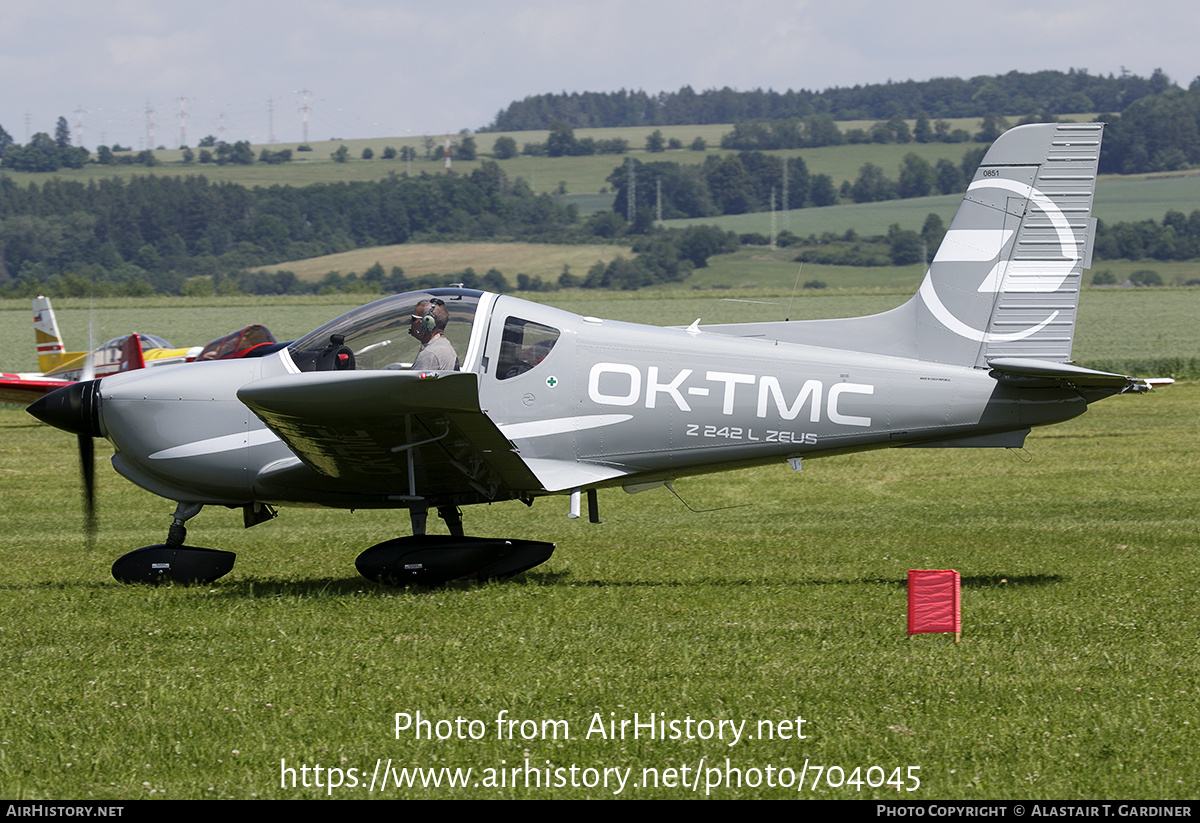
{"points": [[76, 409], [87, 470]]}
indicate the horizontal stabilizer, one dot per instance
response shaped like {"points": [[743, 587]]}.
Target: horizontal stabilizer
{"points": [[1027, 372]]}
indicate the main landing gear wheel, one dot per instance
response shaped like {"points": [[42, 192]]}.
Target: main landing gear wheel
{"points": [[430, 560]]}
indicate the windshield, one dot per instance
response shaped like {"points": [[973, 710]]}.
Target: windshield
{"points": [[148, 341], [238, 343], [110, 352], [379, 335]]}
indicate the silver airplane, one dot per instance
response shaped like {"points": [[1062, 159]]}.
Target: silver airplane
{"points": [[543, 402]]}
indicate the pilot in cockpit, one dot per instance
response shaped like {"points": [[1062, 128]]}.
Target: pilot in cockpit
{"points": [[429, 326]]}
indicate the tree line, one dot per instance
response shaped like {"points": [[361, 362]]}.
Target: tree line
{"points": [[1054, 92], [157, 234], [161, 230], [1158, 129], [751, 181], [1175, 237], [819, 130]]}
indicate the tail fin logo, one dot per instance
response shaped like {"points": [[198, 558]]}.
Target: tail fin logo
{"points": [[986, 246]]}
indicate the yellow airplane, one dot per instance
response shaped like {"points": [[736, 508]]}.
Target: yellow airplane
{"points": [[60, 367]]}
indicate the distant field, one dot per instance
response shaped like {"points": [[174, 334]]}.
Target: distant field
{"points": [[1117, 199], [1075, 677], [585, 179], [752, 267], [762, 267], [865, 218], [535, 259], [582, 175]]}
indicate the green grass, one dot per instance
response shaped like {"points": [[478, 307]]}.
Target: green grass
{"points": [[1138, 197], [1076, 677]]}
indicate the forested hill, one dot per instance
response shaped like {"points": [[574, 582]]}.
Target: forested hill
{"points": [[1053, 92]]}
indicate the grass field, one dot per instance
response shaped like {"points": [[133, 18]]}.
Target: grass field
{"points": [[543, 260], [1076, 677]]}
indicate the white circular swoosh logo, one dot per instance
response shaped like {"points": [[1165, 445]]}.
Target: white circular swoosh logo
{"points": [[1021, 276], [963, 330]]}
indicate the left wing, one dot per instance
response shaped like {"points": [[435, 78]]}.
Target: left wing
{"points": [[408, 435]]}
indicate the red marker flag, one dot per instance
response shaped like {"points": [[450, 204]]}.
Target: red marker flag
{"points": [[934, 603]]}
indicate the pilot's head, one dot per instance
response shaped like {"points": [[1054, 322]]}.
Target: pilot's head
{"points": [[429, 319]]}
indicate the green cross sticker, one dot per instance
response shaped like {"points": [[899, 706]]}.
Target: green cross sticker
{"points": [[551, 381]]}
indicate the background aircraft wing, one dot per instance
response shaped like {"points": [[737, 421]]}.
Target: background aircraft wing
{"points": [[17, 389], [399, 433]]}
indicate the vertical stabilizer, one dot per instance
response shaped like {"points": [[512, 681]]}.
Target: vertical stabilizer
{"points": [[1005, 281], [47, 338]]}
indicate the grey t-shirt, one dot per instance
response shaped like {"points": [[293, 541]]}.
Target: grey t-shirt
{"points": [[436, 355]]}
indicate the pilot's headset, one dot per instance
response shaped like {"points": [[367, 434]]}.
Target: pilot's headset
{"points": [[429, 321]]}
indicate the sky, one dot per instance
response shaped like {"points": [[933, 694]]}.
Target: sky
{"points": [[162, 72]]}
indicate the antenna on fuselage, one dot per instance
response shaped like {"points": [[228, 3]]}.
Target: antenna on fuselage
{"points": [[669, 485], [795, 286]]}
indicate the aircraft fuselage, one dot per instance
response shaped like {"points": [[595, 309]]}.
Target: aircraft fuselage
{"points": [[639, 403]]}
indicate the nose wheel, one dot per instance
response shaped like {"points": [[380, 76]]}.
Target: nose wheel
{"points": [[174, 562]]}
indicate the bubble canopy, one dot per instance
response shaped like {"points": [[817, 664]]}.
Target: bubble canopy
{"points": [[376, 336]]}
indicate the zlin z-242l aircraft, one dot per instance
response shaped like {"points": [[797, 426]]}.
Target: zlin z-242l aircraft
{"points": [[543, 402]]}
